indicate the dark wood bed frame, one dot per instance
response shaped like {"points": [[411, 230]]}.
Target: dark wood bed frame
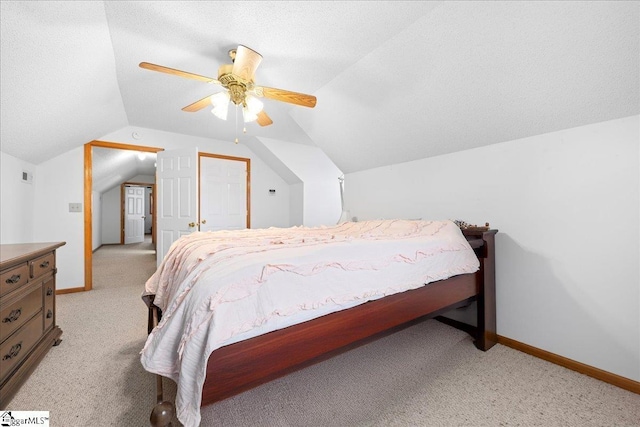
{"points": [[241, 366]]}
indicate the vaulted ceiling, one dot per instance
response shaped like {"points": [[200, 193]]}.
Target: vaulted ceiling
{"points": [[395, 81], [111, 167]]}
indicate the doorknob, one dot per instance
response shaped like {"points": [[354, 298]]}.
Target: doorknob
{"points": [[192, 224], [204, 221]]}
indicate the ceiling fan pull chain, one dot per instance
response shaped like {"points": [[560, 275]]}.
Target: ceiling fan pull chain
{"points": [[236, 124], [244, 118], [244, 121]]}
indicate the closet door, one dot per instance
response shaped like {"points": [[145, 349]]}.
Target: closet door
{"points": [[223, 193]]}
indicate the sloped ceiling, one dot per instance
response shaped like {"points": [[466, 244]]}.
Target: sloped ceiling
{"points": [[112, 167], [58, 78], [395, 81], [470, 74]]}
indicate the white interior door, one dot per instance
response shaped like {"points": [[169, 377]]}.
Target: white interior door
{"points": [[223, 194], [134, 215], [177, 210]]}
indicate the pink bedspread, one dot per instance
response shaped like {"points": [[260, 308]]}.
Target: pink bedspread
{"points": [[217, 288]]}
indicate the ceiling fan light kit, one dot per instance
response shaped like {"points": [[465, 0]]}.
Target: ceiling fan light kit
{"points": [[251, 107], [237, 79], [220, 103]]}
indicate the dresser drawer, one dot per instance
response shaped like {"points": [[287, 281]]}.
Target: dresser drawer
{"points": [[42, 265], [15, 315], [18, 345], [49, 290], [13, 278]]}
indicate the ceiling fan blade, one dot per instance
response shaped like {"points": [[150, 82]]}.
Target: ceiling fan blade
{"points": [[162, 69], [246, 62], [285, 96], [263, 119], [198, 105]]}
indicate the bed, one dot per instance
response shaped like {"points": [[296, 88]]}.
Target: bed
{"points": [[231, 310]]}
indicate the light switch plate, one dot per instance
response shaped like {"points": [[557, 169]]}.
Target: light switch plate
{"points": [[75, 207], [27, 177]]}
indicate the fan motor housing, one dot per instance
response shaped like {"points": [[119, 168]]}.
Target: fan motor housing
{"points": [[237, 86]]}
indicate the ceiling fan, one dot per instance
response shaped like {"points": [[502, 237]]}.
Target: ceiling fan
{"points": [[237, 79]]}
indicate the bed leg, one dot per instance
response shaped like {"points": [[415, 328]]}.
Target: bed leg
{"points": [[163, 412], [486, 336]]}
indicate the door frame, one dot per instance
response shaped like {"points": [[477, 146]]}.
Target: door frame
{"points": [[238, 159], [122, 208], [88, 200]]}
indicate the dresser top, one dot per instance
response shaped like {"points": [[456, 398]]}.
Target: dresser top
{"points": [[20, 252]]}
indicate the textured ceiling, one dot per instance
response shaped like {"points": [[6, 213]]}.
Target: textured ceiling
{"points": [[58, 78], [395, 81], [112, 167], [470, 74]]}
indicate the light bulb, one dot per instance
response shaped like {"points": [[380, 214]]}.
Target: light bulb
{"points": [[220, 102], [248, 116], [254, 105]]}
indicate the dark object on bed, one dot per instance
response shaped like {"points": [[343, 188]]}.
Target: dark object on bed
{"points": [[246, 364]]}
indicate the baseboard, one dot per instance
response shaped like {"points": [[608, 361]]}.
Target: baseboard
{"points": [[69, 290], [608, 377]]}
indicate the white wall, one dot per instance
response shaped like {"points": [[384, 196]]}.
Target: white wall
{"points": [[16, 200], [567, 208], [145, 179], [321, 190], [148, 216], [296, 208], [60, 182], [111, 216], [96, 221], [266, 210]]}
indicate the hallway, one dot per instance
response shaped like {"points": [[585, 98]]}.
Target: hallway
{"points": [[121, 265]]}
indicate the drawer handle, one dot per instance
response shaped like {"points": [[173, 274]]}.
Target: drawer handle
{"points": [[49, 292], [13, 352], [13, 279], [13, 316], [44, 264], [49, 314]]}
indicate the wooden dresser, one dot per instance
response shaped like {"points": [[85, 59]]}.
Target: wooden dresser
{"points": [[27, 311]]}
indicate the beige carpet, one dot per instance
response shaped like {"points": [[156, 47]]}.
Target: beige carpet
{"points": [[427, 375]]}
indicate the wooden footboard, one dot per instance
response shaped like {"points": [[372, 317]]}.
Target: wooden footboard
{"points": [[241, 366]]}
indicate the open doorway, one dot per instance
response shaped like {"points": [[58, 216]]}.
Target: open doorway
{"points": [[92, 200]]}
